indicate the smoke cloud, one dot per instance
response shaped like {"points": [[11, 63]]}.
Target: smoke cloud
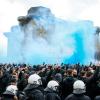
{"points": [[41, 37]]}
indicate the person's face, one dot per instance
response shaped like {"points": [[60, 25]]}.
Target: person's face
{"points": [[74, 72], [1, 73]]}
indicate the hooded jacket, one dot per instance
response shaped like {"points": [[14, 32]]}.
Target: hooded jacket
{"points": [[77, 97], [33, 92], [51, 95]]}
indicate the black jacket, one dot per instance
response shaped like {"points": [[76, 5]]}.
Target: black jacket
{"points": [[49, 94], [7, 97], [77, 97], [67, 86], [4, 81], [91, 88], [33, 93], [97, 98], [22, 82]]}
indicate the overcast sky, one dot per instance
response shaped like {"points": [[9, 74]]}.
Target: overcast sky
{"points": [[65, 9]]}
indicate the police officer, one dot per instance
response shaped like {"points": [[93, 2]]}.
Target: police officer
{"points": [[10, 93], [51, 91], [78, 91], [33, 90]]}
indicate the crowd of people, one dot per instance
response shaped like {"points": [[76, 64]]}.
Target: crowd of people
{"points": [[49, 82]]}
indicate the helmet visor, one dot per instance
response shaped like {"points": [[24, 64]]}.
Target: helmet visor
{"points": [[79, 91]]}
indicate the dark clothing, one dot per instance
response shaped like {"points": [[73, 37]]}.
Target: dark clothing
{"points": [[4, 81], [67, 86], [51, 95], [77, 97], [22, 82], [8, 97], [91, 90], [33, 93], [97, 98]]}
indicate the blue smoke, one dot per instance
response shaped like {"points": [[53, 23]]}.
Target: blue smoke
{"points": [[41, 37], [79, 54], [84, 43]]}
